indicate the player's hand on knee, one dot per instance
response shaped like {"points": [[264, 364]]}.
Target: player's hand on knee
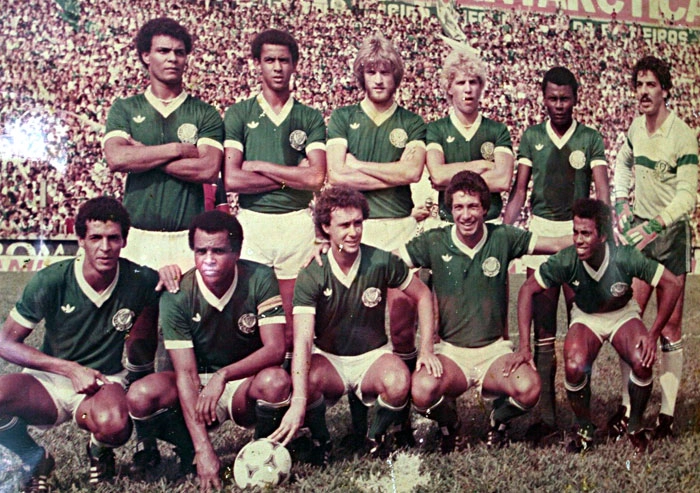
{"points": [[170, 276], [208, 399], [86, 380], [208, 466], [647, 348], [292, 420], [431, 363], [517, 359]]}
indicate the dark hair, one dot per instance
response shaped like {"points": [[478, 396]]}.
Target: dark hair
{"points": [[274, 37], [102, 209], [470, 183], [560, 76], [337, 198], [658, 67], [598, 211], [215, 221], [162, 26]]}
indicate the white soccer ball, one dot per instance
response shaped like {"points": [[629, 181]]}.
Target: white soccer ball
{"points": [[262, 463]]}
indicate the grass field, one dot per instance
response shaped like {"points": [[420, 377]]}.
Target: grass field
{"points": [[673, 465]]}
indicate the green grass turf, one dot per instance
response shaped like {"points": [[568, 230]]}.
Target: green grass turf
{"points": [[672, 466]]}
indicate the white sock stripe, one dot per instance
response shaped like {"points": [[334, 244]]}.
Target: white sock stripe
{"points": [[639, 382], [146, 418], [275, 405], [427, 410], [10, 424], [95, 441], [315, 403], [407, 356], [668, 346], [572, 387], [545, 343], [129, 366], [517, 404], [381, 402]]}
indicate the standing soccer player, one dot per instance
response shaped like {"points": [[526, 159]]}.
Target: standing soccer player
{"points": [[275, 158], [168, 143], [465, 140], [601, 276], [661, 152], [469, 260], [223, 327], [562, 157], [378, 148], [340, 343], [91, 305]]}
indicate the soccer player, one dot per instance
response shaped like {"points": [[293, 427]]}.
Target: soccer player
{"points": [[469, 261], [661, 152], [91, 305], [275, 158], [378, 148], [561, 156], [340, 344], [223, 330], [465, 139], [604, 309], [168, 143]]}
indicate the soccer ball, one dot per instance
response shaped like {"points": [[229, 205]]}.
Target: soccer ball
{"points": [[262, 463]]}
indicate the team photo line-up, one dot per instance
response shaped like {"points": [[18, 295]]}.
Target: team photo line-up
{"points": [[312, 290]]}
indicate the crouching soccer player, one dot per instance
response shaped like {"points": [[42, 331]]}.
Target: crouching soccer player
{"points": [[90, 305], [223, 330], [340, 343], [600, 275], [469, 261]]}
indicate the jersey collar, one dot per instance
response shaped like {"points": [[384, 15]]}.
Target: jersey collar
{"points": [[98, 299], [469, 252], [560, 142], [345, 280], [598, 275], [467, 132], [218, 303], [376, 116], [275, 118], [165, 109]]}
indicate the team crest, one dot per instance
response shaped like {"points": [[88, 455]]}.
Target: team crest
{"points": [[577, 159], [619, 289], [661, 168], [398, 138], [487, 149], [247, 322], [187, 133], [490, 267], [297, 139], [371, 297], [123, 320]]}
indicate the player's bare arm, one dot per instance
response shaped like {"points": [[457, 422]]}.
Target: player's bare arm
{"points": [[406, 170], [188, 382], [203, 168], [238, 180], [13, 349], [340, 173], [517, 196], [301, 364], [498, 174], [669, 289], [128, 155], [307, 175], [271, 354], [525, 296], [423, 298], [602, 183]]}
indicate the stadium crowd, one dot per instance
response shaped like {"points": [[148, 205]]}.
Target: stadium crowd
{"points": [[58, 79]]}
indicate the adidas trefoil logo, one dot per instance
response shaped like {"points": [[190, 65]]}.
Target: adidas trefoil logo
{"points": [[139, 119], [575, 283], [327, 292], [197, 318], [539, 147], [253, 124], [355, 126], [67, 308], [447, 257], [450, 139]]}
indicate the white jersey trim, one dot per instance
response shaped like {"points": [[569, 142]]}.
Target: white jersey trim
{"points": [[218, 303], [98, 299], [178, 344], [17, 317]]}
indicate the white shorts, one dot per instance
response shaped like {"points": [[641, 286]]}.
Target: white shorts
{"points": [[64, 397], [605, 325], [223, 407], [545, 227], [352, 369], [475, 362], [388, 234], [156, 249], [282, 241]]}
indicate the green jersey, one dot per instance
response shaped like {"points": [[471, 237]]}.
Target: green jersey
{"points": [[470, 283], [457, 144], [349, 309], [157, 201], [561, 167], [604, 290], [260, 134], [382, 139], [222, 330], [82, 325]]}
